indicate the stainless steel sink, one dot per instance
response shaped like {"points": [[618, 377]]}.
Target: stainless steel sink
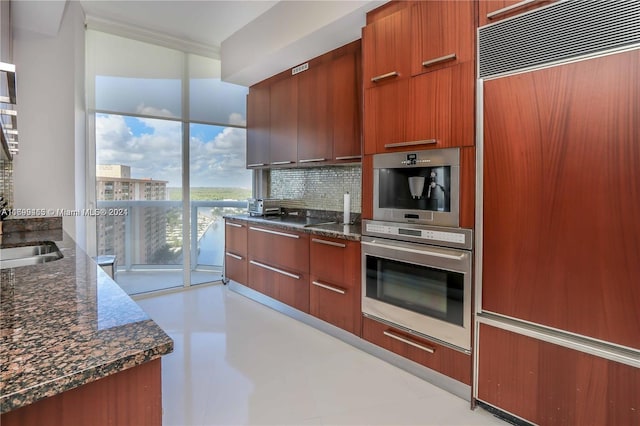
{"points": [[13, 257], [313, 224]]}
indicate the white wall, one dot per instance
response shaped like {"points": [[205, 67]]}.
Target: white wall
{"points": [[49, 170]]}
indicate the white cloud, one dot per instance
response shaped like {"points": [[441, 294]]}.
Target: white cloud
{"points": [[142, 109]]}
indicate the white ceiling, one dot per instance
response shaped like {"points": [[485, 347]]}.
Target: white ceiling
{"points": [[260, 38]]}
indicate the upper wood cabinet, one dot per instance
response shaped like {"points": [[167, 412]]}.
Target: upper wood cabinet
{"points": [[432, 105], [442, 34], [283, 123], [494, 10], [314, 122], [313, 117], [258, 124], [386, 49]]}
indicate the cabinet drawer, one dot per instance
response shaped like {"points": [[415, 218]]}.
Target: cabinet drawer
{"points": [[288, 287], [335, 304], [286, 249], [235, 267], [235, 237], [449, 362], [335, 261]]}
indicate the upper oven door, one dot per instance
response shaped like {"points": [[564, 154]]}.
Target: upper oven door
{"points": [[420, 187], [423, 288]]}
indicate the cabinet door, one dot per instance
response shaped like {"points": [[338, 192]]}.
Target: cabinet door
{"points": [[335, 288], [258, 127], [386, 49], [346, 83], [442, 34], [283, 136], [494, 10], [562, 198], [385, 116], [315, 138], [441, 107], [449, 362], [552, 385], [235, 259]]}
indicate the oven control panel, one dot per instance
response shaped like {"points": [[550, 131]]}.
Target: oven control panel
{"points": [[452, 237]]}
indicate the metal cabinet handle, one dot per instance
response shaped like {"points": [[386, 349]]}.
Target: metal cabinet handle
{"points": [[409, 250], [268, 231], [278, 163], [329, 243], [411, 143], [439, 60], [409, 342], [349, 157], [235, 256], [497, 13], [312, 160], [235, 225], [384, 76], [329, 287], [271, 268], [256, 165]]}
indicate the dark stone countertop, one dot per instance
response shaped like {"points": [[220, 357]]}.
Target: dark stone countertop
{"points": [[66, 323], [310, 225]]}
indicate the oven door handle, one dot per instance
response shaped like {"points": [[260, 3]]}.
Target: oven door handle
{"points": [[410, 250]]}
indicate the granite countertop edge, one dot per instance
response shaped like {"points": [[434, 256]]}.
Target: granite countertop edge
{"points": [[65, 323], [350, 232]]}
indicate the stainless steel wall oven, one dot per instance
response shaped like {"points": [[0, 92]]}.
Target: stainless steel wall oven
{"points": [[418, 277]]}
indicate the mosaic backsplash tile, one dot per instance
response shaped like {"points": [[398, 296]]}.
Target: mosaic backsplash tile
{"points": [[319, 188], [6, 181]]}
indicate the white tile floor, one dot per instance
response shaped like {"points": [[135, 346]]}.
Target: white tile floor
{"points": [[238, 362]]}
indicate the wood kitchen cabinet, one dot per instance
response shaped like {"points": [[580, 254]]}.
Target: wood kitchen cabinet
{"points": [[258, 124], [315, 136], [447, 361], [335, 292], [549, 384], [279, 265], [385, 116], [386, 49], [283, 122], [309, 118], [442, 34], [490, 11], [561, 197], [235, 259]]}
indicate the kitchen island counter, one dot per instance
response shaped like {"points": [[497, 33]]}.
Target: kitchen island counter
{"points": [[66, 323]]}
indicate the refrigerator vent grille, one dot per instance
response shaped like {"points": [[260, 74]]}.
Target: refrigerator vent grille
{"points": [[559, 32]]}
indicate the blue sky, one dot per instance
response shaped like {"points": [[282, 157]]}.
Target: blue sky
{"points": [[152, 148]]}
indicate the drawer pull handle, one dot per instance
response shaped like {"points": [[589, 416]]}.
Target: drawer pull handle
{"points": [[271, 268], [412, 143], [328, 287], [497, 13], [268, 231], [256, 165], [409, 342], [279, 163], [235, 225], [329, 243], [234, 256], [312, 160], [439, 60], [384, 76], [349, 157]]}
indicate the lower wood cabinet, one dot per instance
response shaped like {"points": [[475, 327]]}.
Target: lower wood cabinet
{"points": [[335, 289], [279, 265], [235, 252], [549, 384], [449, 362]]}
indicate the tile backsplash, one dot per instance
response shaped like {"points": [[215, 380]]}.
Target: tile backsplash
{"points": [[318, 188]]}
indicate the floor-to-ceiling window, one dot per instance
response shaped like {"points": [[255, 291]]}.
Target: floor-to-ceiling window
{"points": [[169, 158]]}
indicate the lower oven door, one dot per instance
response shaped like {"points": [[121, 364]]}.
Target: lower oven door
{"points": [[423, 288]]}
